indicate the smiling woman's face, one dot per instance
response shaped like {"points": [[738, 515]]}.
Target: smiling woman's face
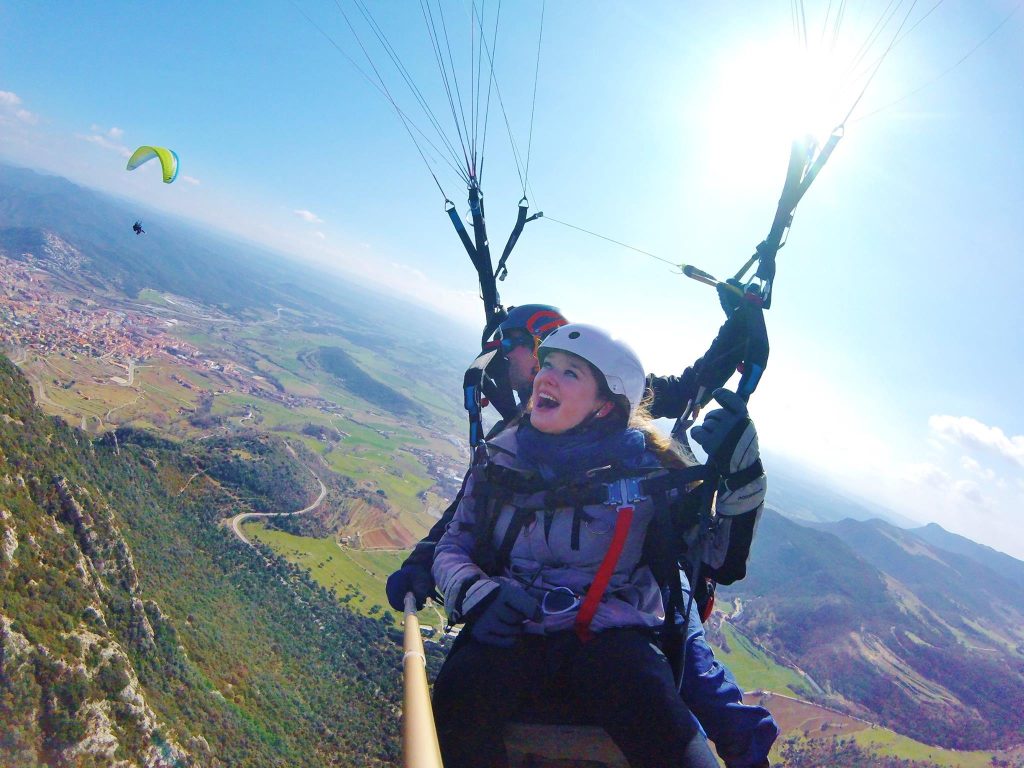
{"points": [[565, 393]]}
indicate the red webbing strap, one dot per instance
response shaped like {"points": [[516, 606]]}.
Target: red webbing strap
{"points": [[604, 574]]}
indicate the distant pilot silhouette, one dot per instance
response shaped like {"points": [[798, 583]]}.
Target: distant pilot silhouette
{"points": [[137, 227]]}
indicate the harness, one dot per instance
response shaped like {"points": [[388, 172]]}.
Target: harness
{"points": [[486, 381], [496, 487]]}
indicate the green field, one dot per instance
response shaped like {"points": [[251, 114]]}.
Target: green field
{"points": [[754, 669], [887, 742], [363, 443], [356, 576]]}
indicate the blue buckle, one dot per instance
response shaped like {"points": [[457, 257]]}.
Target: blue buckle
{"points": [[624, 492]]}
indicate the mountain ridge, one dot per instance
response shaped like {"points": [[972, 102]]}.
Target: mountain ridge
{"points": [[148, 633], [884, 625]]}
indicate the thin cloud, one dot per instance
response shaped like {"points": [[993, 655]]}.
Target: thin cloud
{"points": [[975, 468], [926, 474], [188, 179], [11, 102], [411, 272], [970, 491], [308, 216], [968, 432], [319, 235], [108, 142]]}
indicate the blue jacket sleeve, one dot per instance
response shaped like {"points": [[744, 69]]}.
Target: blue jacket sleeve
{"points": [[743, 733], [464, 584], [422, 555]]}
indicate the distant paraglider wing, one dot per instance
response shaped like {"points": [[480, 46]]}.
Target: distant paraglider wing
{"points": [[168, 161]]}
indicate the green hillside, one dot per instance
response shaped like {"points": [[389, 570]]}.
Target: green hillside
{"points": [[880, 620], [753, 668], [149, 633]]}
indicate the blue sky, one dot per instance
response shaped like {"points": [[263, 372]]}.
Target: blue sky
{"points": [[896, 363]]}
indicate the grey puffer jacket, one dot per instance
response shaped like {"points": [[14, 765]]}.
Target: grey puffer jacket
{"points": [[555, 548]]}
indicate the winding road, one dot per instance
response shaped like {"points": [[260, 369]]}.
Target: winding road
{"points": [[236, 521]]}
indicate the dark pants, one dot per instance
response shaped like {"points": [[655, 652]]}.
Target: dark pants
{"points": [[618, 680]]}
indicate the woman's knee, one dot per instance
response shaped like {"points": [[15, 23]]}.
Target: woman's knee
{"points": [[480, 683]]}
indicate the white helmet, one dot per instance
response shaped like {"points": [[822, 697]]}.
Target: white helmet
{"points": [[614, 358]]}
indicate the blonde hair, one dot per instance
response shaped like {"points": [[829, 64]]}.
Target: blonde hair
{"points": [[661, 445], [668, 451]]}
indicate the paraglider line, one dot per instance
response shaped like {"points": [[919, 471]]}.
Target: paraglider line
{"points": [[880, 24], [533, 104], [936, 79], [406, 121], [611, 240], [490, 88], [404, 72], [428, 20], [840, 16], [903, 36], [470, 161], [516, 155], [478, 64], [879, 65]]}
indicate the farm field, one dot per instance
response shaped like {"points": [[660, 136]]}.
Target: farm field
{"points": [[356, 576], [805, 720], [754, 669], [267, 375]]}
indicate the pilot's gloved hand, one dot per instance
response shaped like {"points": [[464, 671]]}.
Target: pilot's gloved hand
{"points": [[728, 437], [728, 297], [500, 621], [409, 578]]}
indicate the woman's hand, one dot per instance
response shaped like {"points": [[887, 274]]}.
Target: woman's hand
{"points": [[500, 621], [728, 436], [409, 578]]}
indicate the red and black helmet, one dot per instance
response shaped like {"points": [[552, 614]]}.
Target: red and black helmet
{"points": [[538, 320]]}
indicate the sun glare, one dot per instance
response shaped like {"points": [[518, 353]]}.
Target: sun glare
{"points": [[766, 95]]}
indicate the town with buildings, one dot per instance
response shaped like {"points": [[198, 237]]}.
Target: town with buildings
{"points": [[37, 318]]}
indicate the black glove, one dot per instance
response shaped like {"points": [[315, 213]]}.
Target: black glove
{"points": [[728, 437], [727, 434], [409, 578], [500, 621], [728, 298]]}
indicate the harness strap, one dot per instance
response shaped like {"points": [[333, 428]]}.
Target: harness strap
{"points": [[604, 574], [595, 489], [488, 504], [577, 518], [500, 272], [744, 476], [515, 527], [472, 385]]}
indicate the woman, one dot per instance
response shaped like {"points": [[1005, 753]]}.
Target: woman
{"points": [[551, 581]]}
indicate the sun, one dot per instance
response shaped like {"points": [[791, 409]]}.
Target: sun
{"points": [[765, 95]]}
